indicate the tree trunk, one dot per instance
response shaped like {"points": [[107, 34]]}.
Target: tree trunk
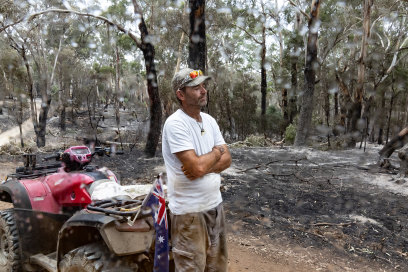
{"points": [[336, 106], [359, 92], [381, 117], [389, 118], [30, 86], [284, 105], [63, 118], [147, 48], [40, 128], [117, 92], [293, 93], [180, 47], [345, 102], [305, 118], [326, 105], [263, 73], [197, 46], [20, 119]]}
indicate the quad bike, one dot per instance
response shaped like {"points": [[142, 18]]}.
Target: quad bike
{"points": [[55, 226]]}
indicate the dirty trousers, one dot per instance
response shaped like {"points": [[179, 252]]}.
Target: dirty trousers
{"points": [[199, 241]]}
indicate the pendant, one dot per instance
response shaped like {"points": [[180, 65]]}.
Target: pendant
{"points": [[202, 132]]}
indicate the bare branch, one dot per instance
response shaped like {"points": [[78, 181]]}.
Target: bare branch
{"points": [[301, 11], [106, 20], [249, 34]]}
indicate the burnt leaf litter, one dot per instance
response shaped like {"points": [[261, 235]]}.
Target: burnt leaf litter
{"points": [[306, 197]]}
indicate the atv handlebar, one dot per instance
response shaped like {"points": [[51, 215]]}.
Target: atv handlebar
{"points": [[108, 151]]}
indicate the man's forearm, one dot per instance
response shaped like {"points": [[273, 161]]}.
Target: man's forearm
{"points": [[198, 166], [222, 164]]}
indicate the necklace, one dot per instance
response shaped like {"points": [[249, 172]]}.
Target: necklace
{"points": [[198, 123], [201, 127]]}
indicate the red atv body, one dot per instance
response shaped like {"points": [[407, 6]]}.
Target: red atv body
{"points": [[42, 228]]}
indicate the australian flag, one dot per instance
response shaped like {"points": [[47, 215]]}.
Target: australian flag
{"points": [[155, 200]]}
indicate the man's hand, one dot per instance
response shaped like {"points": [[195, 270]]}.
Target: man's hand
{"points": [[220, 148], [188, 174]]}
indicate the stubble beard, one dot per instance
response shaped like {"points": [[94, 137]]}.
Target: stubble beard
{"points": [[202, 101]]}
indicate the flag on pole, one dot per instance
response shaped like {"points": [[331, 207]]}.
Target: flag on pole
{"points": [[156, 201]]}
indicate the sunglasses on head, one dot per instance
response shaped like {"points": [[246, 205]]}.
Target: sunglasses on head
{"points": [[192, 75]]}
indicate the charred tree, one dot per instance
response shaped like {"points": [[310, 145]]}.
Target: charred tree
{"points": [[381, 117], [263, 75], [147, 48], [197, 46], [305, 117]]}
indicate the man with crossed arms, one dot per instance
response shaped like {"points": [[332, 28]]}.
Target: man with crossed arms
{"points": [[194, 153]]}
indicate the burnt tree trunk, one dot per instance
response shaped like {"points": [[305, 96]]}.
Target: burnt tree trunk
{"points": [[285, 109], [197, 58], [305, 117], [263, 76], [336, 105], [381, 117], [152, 86], [197, 46]]}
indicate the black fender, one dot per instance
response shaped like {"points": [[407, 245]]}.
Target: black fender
{"points": [[14, 192], [38, 231], [85, 227]]}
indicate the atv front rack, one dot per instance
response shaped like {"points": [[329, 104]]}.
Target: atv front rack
{"points": [[126, 207], [35, 172]]}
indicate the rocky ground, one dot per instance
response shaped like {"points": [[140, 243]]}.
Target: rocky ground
{"points": [[298, 209]]}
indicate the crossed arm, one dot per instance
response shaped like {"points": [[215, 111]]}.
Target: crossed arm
{"points": [[195, 166]]}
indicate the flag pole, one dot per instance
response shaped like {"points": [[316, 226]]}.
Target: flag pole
{"points": [[132, 222]]}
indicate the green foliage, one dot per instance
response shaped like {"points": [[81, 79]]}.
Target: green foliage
{"points": [[106, 70], [290, 134], [274, 120], [126, 42]]}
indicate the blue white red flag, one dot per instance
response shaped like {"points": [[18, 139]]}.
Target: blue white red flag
{"points": [[156, 201]]}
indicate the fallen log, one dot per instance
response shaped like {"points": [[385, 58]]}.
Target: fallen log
{"points": [[397, 142]]}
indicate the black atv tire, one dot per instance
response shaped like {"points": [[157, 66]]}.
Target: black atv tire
{"points": [[10, 253], [96, 257]]}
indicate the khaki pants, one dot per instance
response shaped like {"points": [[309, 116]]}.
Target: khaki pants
{"points": [[199, 241]]}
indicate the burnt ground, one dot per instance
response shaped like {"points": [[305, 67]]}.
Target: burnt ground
{"points": [[339, 202], [295, 209]]}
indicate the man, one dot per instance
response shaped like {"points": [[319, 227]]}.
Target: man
{"points": [[194, 153]]}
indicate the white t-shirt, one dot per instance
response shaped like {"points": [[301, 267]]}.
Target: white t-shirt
{"points": [[182, 132]]}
